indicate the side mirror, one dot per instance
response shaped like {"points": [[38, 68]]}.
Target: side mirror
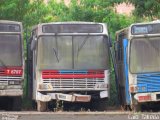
{"points": [[33, 44]]}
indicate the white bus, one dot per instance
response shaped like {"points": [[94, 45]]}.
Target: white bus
{"points": [[70, 63], [11, 64]]}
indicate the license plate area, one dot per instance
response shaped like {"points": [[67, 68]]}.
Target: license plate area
{"points": [[73, 97], [65, 97], [62, 97], [82, 98]]}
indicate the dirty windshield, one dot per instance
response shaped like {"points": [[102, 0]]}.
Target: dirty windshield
{"points": [[72, 52], [10, 50], [145, 55]]}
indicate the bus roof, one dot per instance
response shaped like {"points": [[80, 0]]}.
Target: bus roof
{"points": [[128, 30], [39, 26], [144, 23], [70, 22], [8, 21]]}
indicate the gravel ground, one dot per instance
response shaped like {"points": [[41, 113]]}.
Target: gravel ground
{"points": [[115, 115]]}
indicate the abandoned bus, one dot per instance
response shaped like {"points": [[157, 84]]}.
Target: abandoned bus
{"points": [[11, 64], [70, 62], [137, 54]]}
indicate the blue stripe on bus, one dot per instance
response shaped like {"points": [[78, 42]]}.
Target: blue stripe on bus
{"points": [[125, 45], [151, 82]]}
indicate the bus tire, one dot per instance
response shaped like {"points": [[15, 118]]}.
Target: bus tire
{"points": [[41, 106]]}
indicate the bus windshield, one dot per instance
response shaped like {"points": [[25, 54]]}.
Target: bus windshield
{"points": [[145, 55], [72, 52], [10, 50]]}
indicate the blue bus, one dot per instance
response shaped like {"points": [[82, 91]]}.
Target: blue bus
{"points": [[137, 58]]}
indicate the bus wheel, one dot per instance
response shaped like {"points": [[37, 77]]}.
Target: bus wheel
{"points": [[41, 106], [17, 103]]}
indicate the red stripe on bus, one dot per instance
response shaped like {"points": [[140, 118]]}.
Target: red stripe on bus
{"points": [[11, 71], [70, 76]]}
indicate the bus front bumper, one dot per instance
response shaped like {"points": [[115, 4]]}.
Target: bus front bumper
{"points": [[68, 97], [11, 92], [147, 97]]}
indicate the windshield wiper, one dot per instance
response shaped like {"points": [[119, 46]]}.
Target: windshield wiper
{"points": [[56, 54], [56, 50], [81, 46]]}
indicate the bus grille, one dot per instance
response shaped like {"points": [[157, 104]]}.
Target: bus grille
{"points": [[74, 83], [4, 79], [73, 79], [150, 81]]}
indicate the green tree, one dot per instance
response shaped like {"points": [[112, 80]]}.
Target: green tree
{"points": [[13, 9], [37, 12], [58, 11], [146, 8]]}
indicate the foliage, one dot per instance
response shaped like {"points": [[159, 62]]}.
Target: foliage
{"points": [[117, 22], [13, 9], [146, 8], [37, 12]]}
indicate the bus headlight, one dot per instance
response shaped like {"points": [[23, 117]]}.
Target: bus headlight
{"points": [[45, 86]]}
